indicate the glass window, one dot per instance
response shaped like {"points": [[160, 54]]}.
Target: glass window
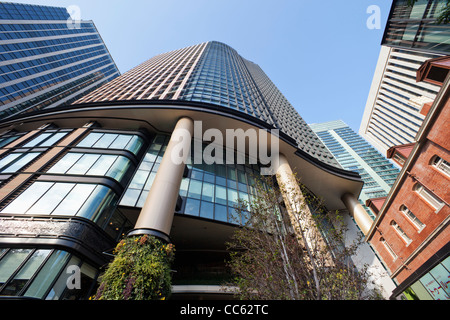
{"points": [[208, 192], [26, 273], [105, 141], [99, 203], [90, 140], [47, 275], [207, 210], [63, 165], [48, 202], [220, 213], [20, 161], [429, 197], [192, 207], [36, 141], [102, 165], [11, 262], [408, 213], [73, 202], [441, 165], [32, 194], [195, 189], [221, 195], [84, 164]]}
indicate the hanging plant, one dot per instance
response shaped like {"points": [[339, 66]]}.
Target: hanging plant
{"points": [[141, 270]]}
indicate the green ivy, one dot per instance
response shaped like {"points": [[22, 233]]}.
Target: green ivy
{"points": [[141, 270]]}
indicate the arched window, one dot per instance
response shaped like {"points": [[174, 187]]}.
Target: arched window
{"points": [[428, 196], [400, 232], [388, 248], [410, 215], [441, 164]]}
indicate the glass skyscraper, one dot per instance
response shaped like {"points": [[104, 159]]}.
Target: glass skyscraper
{"points": [[47, 59], [355, 154], [101, 169], [397, 102]]}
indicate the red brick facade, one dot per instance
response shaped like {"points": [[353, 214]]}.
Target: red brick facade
{"points": [[408, 245]]}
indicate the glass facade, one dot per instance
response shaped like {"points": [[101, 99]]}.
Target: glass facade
{"points": [[416, 26], [356, 154], [46, 62], [433, 285], [42, 274], [208, 191], [214, 73]]}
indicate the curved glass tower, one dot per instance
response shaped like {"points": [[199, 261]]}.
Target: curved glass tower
{"points": [[103, 168]]}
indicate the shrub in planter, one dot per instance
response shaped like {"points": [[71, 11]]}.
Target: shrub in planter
{"points": [[141, 270]]}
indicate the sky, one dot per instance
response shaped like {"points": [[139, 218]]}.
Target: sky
{"points": [[320, 54]]}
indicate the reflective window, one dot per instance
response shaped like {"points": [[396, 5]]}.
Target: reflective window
{"points": [[46, 139], [209, 191], [16, 161], [132, 143], [68, 199], [93, 164]]}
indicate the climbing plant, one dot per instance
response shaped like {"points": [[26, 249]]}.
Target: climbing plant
{"points": [[141, 270]]}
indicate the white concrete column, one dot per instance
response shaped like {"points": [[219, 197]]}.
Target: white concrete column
{"points": [[157, 214], [299, 213], [358, 212]]}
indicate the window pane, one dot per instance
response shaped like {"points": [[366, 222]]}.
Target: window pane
{"points": [[74, 200], [99, 202], [221, 195], [135, 144], [90, 140], [25, 274], [102, 165], [130, 197], [63, 165], [37, 140], [208, 192], [8, 159], [84, 164], [220, 213], [28, 198], [120, 142], [23, 161], [207, 210], [47, 275], [61, 284], [119, 168], [195, 189], [192, 207], [55, 138], [10, 263], [51, 199], [105, 141]]}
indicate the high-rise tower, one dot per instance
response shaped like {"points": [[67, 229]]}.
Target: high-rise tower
{"points": [[104, 168], [397, 104], [47, 59]]}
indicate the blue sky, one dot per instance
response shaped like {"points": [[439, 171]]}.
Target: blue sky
{"points": [[320, 54]]}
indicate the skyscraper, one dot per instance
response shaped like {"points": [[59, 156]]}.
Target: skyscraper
{"points": [[354, 154], [47, 59], [103, 168], [378, 173], [396, 105]]}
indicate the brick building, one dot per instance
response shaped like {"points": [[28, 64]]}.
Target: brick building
{"points": [[411, 232]]}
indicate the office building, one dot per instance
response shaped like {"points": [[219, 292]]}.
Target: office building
{"points": [[394, 108], [47, 59], [102, 168], [411, 232], [355, 154]]}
